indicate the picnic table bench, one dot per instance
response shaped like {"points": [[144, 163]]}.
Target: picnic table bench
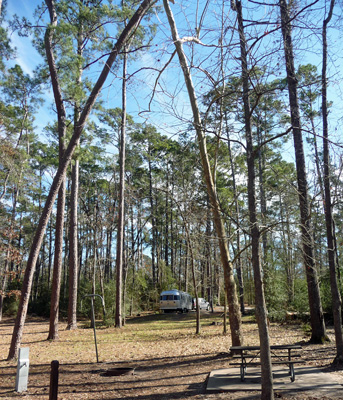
{"points": [[281, 354]]}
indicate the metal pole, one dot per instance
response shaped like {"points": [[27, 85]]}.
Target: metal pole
{"points": [[92, 296], [94, 330]]}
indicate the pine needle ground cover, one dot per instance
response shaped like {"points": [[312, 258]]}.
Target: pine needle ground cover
{"points": [[170, 361]]}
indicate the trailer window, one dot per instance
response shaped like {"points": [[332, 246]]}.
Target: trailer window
{"points": [[170, 297], [167, 297]]}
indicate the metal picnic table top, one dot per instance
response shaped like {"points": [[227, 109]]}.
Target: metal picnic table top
{"points": [[244, 355], [272, 347]]}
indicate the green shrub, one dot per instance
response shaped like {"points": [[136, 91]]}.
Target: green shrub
{"points": [[325, 291], [275, 293], [300, 303]]}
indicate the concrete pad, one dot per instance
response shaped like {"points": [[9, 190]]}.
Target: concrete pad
{"points": [[306, 378]]}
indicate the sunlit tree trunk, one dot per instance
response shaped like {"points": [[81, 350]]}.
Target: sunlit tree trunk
{"points": [[239, 268], [61, 113], [73, 220], [121, 206], [336, 296], [73, 249], [260, 306], [57, 269], [234, 311], [153, 220], [317, 318]]}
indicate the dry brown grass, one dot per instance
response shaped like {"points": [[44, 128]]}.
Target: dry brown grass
{"points": [[170, 361]]}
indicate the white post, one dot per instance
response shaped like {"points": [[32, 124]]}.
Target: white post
{"points": [[22, 370]]}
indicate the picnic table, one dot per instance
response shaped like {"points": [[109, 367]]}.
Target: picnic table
{"points": [[281, 354]]}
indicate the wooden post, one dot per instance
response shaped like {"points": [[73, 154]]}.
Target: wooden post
{"points": [[54, 380]]}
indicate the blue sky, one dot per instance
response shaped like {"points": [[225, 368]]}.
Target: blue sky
{"points": [[139, 88], [27, 56]]}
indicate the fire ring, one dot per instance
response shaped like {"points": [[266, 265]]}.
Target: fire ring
{"points": [[118, 371]]}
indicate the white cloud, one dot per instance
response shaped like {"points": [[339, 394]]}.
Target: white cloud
{"points": [[27, 56]]}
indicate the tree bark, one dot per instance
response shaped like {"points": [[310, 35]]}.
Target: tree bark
{"points": [[260, 305], [287, 249], [336, 296], [153, 220], [166, 223], [121, 208], [316, 312], [61, 116], [57, 270], [191, 254], [61, 171], [73, 249], [238, 236], [73, 260], [190, 251], [234, 311]]}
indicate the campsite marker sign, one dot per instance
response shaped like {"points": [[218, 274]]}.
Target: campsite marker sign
{"points": [[22, 370]]}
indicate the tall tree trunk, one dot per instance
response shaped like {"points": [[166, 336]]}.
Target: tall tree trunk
{"points": [[66, 245], [95, 246], [317, 319], [57, 269], [238, 236], [108, 263], [73, 248], [186, 272], [209, 274], [263, 205], [50, 253], [121, 212], [134, 259], [73, 220], [260, 306], [166, 224], [172, 236], [336, 297], [61, 115], [287, 250], [61, 171], [153, 220], [190, 251], [234, 312]]}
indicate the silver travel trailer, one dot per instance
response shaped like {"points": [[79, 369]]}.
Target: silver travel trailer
{"points": [[175, 300]]}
